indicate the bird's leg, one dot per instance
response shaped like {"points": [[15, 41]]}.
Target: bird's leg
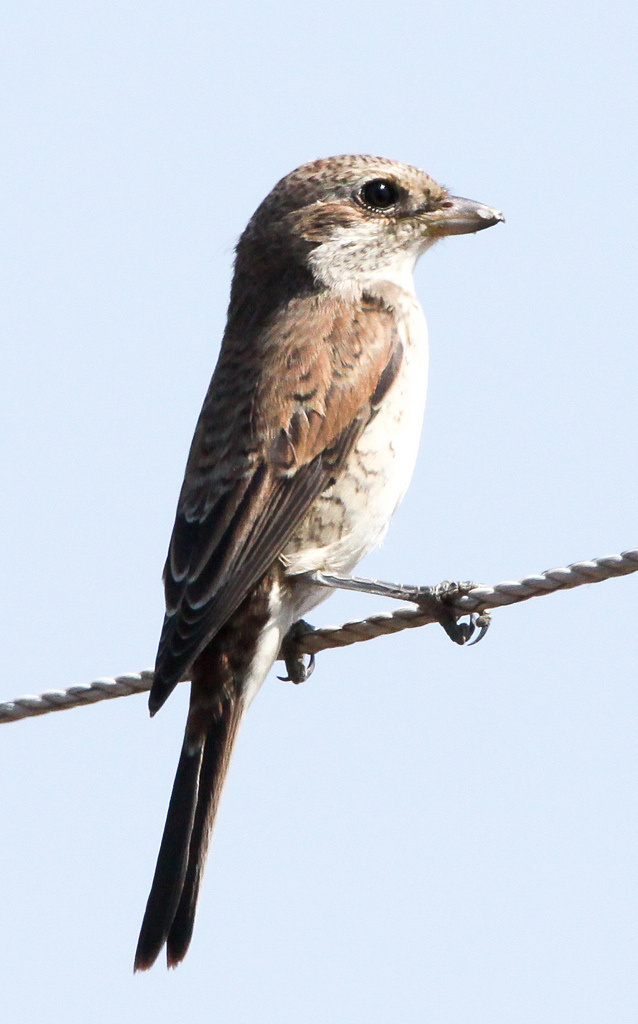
{"points": [[438, 600]]}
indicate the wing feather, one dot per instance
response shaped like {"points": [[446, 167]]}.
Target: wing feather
{"points": [[263, 451]]}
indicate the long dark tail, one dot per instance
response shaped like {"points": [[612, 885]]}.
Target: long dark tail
{"points": [[215, 712]]}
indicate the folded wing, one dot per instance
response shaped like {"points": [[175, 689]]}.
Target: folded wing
{"points": [[283, 411]]}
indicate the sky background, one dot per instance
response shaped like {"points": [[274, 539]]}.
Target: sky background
{"points": [[421, 833]]}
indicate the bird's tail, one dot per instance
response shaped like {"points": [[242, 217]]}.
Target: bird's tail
{"points": [[224, 677], [214, 716], [217, 702]]}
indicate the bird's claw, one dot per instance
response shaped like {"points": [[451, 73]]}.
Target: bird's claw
{"points": [[297, 669], [480, 622], [295, 660], [439, 600]]}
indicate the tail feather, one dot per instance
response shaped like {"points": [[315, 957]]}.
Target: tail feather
{"points": [[219, 678], [172, 860], [170, 910], [215, 759]]}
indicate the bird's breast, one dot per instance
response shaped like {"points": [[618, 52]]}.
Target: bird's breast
{"points": [[352, 516]]}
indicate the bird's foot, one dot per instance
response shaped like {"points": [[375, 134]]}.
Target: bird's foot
{"points": [[297, 667], [440, 601]]}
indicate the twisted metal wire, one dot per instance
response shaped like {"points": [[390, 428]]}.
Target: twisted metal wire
{"points": [[478, 599]]}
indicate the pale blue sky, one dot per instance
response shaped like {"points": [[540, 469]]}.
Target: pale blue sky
{"points": [[421, 834]]}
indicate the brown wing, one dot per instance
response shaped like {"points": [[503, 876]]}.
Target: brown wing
{"points": [[282, 413]]}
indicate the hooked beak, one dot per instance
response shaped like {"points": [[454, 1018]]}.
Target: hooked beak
{"points": [[459, 216]]}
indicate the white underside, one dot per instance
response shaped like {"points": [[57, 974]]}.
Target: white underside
{"points": [[378, 471], [283, 614], [356, 512]]}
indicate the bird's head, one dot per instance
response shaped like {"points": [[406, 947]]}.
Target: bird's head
{"points": [[353, 217]]}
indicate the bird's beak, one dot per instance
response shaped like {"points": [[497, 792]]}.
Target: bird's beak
{"points": [[461, 217]]}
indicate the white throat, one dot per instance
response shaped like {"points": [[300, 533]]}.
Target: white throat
{"points": [[353, 259]]}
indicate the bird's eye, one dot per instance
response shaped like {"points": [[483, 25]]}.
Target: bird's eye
{"points": [[379, 194]]}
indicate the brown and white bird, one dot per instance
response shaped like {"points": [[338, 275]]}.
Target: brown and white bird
{"points": [[304, 448]]}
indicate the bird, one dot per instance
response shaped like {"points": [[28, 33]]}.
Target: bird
{"points": [[304, 447]]}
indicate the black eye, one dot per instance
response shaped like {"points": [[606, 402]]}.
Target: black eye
{"points": [[380, 194]]}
